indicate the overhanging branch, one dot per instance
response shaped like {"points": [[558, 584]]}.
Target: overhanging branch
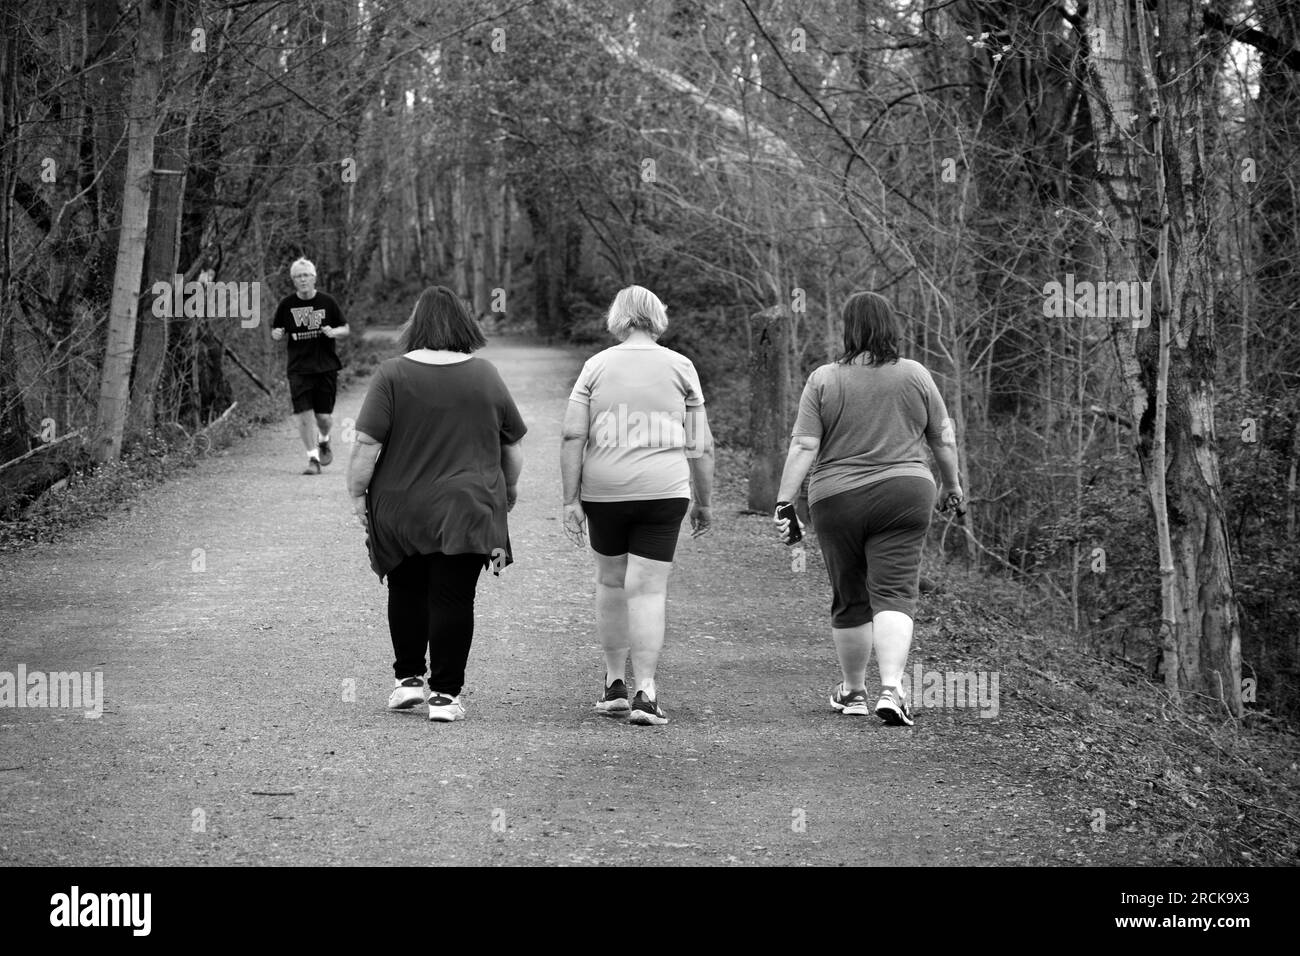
{"points": [[1288, 55]]}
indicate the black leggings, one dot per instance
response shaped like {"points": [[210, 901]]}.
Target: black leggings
{"points": [[431, 606]]}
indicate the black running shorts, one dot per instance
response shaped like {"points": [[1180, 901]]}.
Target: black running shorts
{"points": [[314, 392], [647, 529]]}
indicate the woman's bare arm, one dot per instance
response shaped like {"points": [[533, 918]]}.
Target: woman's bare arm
{"points": [[798, 462], [361, 468], [573, 442], [512, 465]]}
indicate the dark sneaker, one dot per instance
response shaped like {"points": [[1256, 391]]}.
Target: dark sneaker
{"points": [[614, 702], [850, 704], [892, 709], [326, 456], [646, 711], [445, 707], [406, 694], [313, 467]]}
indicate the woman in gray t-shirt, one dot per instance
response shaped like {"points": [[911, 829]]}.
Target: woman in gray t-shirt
{"points": [[636, 440], [863, 425]]}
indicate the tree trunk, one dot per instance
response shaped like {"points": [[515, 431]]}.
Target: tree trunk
{"points": [[545, 317], [459, 231], [1149, 96], [438, 223], [501, 240], [478, 248], [115, 376], [769, 390], [162, 260], [13, 411], [421, 255]]}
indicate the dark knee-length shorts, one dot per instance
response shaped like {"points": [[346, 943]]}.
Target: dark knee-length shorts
{"points": [[871, 538], [313, 392]]}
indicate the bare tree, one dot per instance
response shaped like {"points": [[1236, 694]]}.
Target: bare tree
{"points": [[142, 122], [1152, 139]]}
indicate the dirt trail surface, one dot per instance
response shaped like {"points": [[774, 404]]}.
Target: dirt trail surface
{"points": [[228, 735]]}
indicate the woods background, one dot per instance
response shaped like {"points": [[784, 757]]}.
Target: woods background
{"points": [[752, 163]]}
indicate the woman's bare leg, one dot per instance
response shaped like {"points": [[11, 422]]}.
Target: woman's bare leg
{"points": [[853, 647], [646, 587], [893, 642], [611, 614]]}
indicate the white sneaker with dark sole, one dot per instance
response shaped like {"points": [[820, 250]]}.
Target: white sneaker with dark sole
{"points": [[851, 704], [892, 708], [445, 708], [406, 694], [614, 702], [646, 711]]}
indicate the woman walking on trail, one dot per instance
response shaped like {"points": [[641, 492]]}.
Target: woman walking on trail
{"points": [[636, 440], [435, 504], [862, 423]]}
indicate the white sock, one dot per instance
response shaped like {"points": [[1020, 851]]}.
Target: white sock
{"points": [[324, 439], [647, 687], [313, 455]]}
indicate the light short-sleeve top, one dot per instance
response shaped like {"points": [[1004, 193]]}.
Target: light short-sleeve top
{"points": [[636, 397], [873, 423]]}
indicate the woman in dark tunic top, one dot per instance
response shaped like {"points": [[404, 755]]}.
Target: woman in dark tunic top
{"points": [[435, 503]]}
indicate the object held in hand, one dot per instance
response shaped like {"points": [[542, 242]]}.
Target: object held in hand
{"points": [[955, 502], [785, 511]]}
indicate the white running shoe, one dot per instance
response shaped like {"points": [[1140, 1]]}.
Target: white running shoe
{"points": [[614, 701], [445, 708], [406, 693], [892, 708], [646, 711], [850, 703]]}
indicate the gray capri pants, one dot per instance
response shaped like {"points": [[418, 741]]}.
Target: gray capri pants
{"points": [[871, 538]]}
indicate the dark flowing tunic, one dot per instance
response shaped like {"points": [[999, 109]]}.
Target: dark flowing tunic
{"points": [[438, 485]]}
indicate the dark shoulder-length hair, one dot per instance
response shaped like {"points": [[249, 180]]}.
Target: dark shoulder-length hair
{"points": [[441, 321], [869, 327]]}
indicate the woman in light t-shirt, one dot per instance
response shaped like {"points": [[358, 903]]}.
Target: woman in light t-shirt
{"points": [[636, 439], [864, 423]]}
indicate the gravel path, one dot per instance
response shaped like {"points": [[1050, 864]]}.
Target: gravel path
{"points": [[228, 735]]}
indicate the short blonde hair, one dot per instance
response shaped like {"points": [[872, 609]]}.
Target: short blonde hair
{"points": [[637, 308], [303, 262]]}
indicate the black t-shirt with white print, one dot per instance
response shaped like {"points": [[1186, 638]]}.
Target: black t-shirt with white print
{"points": [[310, 351]]}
